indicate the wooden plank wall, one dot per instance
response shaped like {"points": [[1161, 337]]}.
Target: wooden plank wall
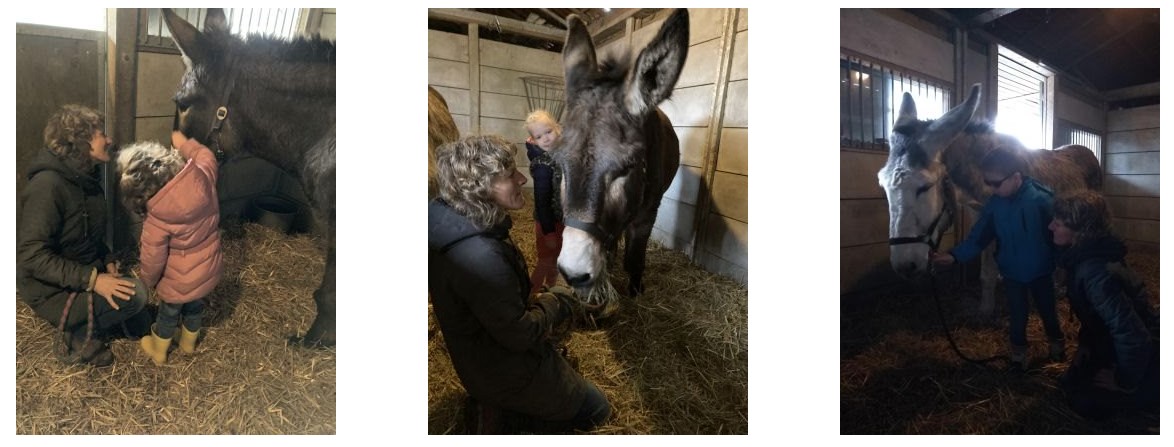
{"points": [[500, 91], [1132, 176]]}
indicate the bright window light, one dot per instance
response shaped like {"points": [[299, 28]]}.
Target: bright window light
{"points": [[70, 17]]}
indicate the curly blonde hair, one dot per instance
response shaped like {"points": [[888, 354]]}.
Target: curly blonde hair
{"points": [[68, 134], [144, 168], [541, 116], [465, 172], [1085, 213]]}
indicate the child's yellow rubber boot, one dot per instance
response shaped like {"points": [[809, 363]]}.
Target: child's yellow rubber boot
{"points": [[155, 347], [188, 339]]}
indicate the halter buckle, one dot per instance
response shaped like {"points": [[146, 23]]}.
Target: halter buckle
{"points": [[222, 113]]}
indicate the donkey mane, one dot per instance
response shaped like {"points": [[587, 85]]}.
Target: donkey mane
{"points": [[298, 50]]}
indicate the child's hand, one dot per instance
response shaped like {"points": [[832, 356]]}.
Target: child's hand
{"points": [[942, 259], [112, 268], [178, 139], [530, 139]]}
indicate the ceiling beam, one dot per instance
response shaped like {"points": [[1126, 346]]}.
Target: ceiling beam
{"points": [[613, 18], [496, 23], [1137, 91], [989, 16], [554, 16], [1105, 43]]}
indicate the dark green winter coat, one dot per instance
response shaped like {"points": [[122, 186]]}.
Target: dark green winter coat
{"points": [[60, 236], [495, 335]]}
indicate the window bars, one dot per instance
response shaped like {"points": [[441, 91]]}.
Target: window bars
{"points": [[870, 97], [1021, 99], [279, 22], [1071, 133]]}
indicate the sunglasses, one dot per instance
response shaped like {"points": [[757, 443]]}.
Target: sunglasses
{"points": [[997, 184]]}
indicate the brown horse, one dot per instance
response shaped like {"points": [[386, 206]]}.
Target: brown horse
{"points": [[928, 159], [441, 129], [618, 155]]}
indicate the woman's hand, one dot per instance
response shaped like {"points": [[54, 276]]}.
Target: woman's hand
{"points": [[111, 287]]}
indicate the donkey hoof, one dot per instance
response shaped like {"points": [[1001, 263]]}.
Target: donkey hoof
{"points": [[635, 288], [311, 342]]}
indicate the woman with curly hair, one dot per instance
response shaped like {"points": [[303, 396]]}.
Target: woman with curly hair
{"points": [[1116, 363], [495, 334], [61, 257], [179, 252]]}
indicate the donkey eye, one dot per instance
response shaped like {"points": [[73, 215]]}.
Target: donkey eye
{"points": [[924, 188]]}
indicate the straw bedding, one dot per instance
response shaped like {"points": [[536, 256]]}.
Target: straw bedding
{"points": [[242, 379]]}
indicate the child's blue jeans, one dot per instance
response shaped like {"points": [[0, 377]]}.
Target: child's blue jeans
{"points": [[1043, 290], [169, 314]]}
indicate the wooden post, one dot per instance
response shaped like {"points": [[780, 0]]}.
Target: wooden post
{"points": [[713, 137], [122, 65], [474, 79]]}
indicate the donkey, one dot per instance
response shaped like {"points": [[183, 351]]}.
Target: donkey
{"points": [[928, 159], [618, 154], [275, 99], [441, 129]]}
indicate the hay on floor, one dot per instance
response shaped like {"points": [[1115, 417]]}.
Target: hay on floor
{"points": [[671, 361], [242, 379], [899, 375]]}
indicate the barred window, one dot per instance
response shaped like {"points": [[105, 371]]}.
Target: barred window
{"points": [[279, 22], [1021, 98], [1071, 133], [870, 97]]}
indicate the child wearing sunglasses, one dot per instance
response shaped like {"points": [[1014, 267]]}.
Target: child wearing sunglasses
{"points": [[1017, 215]]}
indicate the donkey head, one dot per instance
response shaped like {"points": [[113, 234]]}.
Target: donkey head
{"points": [[610, 113], [916, 182], [209, 81]]}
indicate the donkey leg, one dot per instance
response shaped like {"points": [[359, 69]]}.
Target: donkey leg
{"points": [[635, 248], [321, 333], [990, 279]]}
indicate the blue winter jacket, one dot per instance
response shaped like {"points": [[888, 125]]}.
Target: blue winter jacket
{"points": [[1020, 224]]}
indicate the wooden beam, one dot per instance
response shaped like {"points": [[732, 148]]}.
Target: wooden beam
{"points": [[500, 24], [989, 16], [554, 16], [1137, 91], [713, 136], [474, 79], [613, 18]]}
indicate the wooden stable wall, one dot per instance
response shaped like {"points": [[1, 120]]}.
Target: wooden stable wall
{"points": [[1131, 173], [893, 37], [714, 145]]}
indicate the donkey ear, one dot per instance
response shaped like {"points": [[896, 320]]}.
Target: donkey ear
{"points": [[187, 38], [215, 22], [908, 113], [578, 54], [943, 130], [657, 68]]}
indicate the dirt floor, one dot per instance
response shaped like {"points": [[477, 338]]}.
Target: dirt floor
{"points": [[672, 361], [899, 375], [242, 379]]}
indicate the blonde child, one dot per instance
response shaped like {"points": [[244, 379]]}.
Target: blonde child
{"points": [[548, 217], [179, 256]]}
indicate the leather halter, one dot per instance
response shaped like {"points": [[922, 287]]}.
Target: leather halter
{"points": [[592, 229], [212, 139], [933, 234]]}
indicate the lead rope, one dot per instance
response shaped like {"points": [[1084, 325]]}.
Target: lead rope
{"points": [[64, 349], [933, 287]]}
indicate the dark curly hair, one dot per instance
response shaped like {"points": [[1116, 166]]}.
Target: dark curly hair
{"points": [[1085, 213], [69, 132], [144, 168]]}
